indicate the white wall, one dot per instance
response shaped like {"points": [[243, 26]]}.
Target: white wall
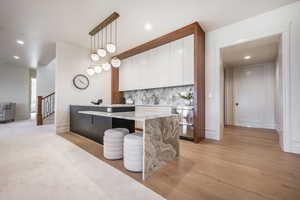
{"points": [[70, 61], [284, 20], [264, 117], [45, 79], [14, 87]]}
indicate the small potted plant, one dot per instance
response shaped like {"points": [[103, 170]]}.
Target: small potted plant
{"points": [[187, 96]]}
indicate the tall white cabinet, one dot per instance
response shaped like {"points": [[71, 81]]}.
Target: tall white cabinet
{"points": [[169, 65]]}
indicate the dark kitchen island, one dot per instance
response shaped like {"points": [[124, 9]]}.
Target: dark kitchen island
{"points": [[92, 126]]}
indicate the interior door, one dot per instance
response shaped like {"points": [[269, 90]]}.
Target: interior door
{"points": [[251, 100]]}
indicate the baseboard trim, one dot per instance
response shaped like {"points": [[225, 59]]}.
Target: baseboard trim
{"points": [[62, 128], [256, 125], [295, 147], [211, 134]]}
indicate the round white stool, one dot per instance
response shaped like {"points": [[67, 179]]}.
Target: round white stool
{"points": [[113, 143], [133, 152]]}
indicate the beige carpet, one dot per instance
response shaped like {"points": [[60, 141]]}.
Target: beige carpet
{"points": [[36, 164]]}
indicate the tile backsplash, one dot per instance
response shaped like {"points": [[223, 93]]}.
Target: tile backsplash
{"points": [[158, 96]]}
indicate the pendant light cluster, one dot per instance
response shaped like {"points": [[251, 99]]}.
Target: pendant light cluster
{"points": [[103, 44]]}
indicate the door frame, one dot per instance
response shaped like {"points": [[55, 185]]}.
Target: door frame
{"points": [[285, 137]]}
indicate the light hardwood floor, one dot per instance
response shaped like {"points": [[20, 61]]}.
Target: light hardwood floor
{"points": [[246, 164]]}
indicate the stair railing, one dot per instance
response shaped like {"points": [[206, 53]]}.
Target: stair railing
{"points": [[45, 107]]}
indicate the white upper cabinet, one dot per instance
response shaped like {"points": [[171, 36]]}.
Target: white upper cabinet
{"points": [[175, 68], [188, 60], [124, 75], [169, 65]]}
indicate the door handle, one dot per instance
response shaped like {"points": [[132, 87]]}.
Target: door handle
{"points": [[236, 104]]}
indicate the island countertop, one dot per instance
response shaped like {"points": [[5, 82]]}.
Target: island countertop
{"points": [[137, 116]]}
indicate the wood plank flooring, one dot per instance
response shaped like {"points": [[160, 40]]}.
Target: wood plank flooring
{"points": [[246, 164]]}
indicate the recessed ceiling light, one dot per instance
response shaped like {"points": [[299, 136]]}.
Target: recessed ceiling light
{"points": [[247, 57], [16, 57], [21, 42], [148, 26]]}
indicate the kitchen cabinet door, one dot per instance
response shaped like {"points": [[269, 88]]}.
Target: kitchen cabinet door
{"points": [[188, 60], [124, 75], [133, 73], [142, 70], [158, 66], [175, 68]]}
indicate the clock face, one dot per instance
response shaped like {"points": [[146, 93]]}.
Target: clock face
{"points": [[81, 81]]}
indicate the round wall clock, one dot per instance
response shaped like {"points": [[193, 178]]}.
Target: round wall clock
{"points": [[81, 81]]}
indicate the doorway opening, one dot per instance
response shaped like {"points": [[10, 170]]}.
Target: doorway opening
{"points": [[33, 98], [252, 84]]}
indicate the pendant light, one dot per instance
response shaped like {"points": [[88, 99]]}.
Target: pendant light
{"points": [[115, 62], [90, 71], [98, 69], [106, 66], [101, 51], [94, 55], [111, 48]]}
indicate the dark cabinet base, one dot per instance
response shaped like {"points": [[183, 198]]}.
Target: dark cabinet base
{"points": [[93, 127]]}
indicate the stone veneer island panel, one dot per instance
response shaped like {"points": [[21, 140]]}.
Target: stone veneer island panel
{"points": [[160, 143]]}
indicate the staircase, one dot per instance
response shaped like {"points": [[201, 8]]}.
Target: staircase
{"points": [[45, 108]]}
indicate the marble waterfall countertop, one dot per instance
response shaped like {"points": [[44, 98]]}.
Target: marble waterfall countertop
{"points": [[160, 136], [137, 116]]}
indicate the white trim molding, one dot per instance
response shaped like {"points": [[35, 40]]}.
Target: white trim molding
{"points": [[211, 134], [286, 85], [62, 128]]}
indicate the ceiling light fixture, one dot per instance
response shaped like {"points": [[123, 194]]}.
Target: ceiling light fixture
{"points": [[101, 51], [90, 71], [115, 62], [106, 66], [148, 26], [16, 57], [247, 57], [98, 51], [94, 55], [98, 69], [21, 42], [110, 47]]}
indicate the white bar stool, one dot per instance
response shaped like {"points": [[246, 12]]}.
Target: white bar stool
{"points": [[133, 152], [113, 143]]}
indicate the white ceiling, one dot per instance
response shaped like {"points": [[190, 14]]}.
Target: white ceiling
{"points": [[261, 51], [41, 23]]}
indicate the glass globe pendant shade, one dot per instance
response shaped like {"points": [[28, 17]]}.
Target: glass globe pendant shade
{"points": [[90, 71], [111, 48], [95, 57], [106, 66], [101, 52], [115, 62], [98, 69]]}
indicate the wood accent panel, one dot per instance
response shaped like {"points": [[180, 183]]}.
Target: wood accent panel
{"points": [[199, 83], [104, 23], [199, 70], [116, 95], [246, 164]]}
